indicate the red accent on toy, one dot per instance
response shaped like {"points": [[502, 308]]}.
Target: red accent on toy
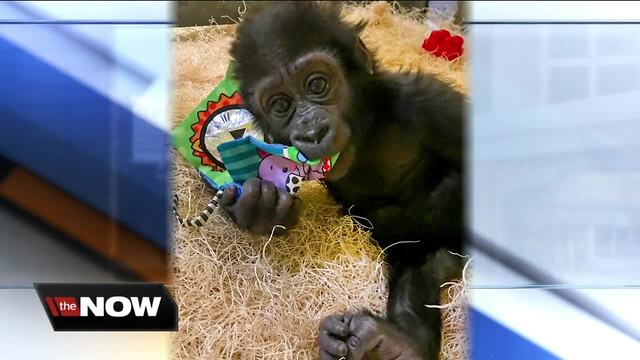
{"points": [[326, 165], [263, 154], [441, 43]]}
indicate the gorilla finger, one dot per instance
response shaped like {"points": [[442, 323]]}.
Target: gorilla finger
{"points": [[356, 350], [228, 197], [346, 317], [251, 189], [364, 335], [326, 356], [287, 209], [244, 208], [332, 345], [268, 199], [364, 326], [334, 326]]}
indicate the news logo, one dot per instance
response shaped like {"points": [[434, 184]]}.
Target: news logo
{"points": [[108, 307]]}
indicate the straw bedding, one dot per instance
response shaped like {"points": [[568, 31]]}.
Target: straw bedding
{"points": [[261, 297]]}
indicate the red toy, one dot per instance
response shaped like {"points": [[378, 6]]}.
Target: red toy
{"points": [[441, 43]]}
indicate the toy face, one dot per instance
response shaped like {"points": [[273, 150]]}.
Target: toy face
{"points": [[292, 185], [281, 172], [228, 125]]}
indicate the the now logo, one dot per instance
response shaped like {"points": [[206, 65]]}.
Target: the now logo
{"points": [[115, 306], [110, 307]]}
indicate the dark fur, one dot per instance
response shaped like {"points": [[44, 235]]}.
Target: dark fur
{"points": [[407, 176]]}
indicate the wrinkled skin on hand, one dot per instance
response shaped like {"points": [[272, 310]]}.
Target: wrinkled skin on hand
{"points": [[261, 207]]}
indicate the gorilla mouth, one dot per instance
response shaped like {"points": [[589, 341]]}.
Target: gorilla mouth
{"points": [[328, 142], [317, 138]]}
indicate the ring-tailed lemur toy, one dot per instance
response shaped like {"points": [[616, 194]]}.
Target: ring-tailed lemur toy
{"points": [[204, 215]]}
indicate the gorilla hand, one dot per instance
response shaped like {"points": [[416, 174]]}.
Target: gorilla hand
{"points": [[261, 207], [363, 336]]}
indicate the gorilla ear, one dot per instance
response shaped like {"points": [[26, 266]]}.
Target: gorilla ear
{"points": [[360, 25], [364, 54]]}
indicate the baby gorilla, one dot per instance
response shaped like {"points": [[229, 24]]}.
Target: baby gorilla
{"points": [[311, 82]]}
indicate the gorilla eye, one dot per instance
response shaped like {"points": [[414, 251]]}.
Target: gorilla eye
{"points": [[280, 105], [317, 85]]}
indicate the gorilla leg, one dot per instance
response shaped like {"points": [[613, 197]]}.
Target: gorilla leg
{"points": [[413, 288], [411, 330]]}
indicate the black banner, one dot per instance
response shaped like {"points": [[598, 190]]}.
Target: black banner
{"points": [[109, 307]]}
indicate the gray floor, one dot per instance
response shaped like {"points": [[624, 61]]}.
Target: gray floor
{"points": [[31, 254]]}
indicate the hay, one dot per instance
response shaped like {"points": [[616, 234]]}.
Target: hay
{"points": [[261, 297]]}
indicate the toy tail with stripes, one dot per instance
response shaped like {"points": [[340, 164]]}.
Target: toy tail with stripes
{"points": [[204, 215]]}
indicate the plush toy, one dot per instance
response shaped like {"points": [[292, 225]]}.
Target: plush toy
{"points": [[219, 138], [441, 43], [284, 166]]}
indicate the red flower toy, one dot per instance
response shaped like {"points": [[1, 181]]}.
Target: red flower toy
{"points": [[441, 43]]}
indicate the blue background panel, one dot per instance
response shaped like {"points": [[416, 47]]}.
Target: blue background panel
{"points": [[491, 340], [82, 142]]}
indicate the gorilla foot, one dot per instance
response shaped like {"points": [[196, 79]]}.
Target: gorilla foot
{"points": [[363, 336]]}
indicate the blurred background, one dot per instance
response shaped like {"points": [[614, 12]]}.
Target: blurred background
{"points": [[554, 166], [83, 145], [83, 164]]}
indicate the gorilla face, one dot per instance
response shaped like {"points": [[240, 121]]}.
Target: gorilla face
{"points": [[304, 104]]}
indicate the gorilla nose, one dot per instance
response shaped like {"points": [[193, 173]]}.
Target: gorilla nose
{"points": [[314, 136]]}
